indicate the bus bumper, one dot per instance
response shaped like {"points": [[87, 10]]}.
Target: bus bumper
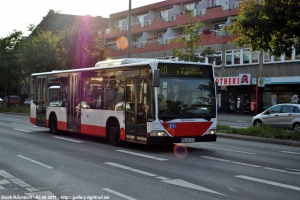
{"points": [[169, 140]]}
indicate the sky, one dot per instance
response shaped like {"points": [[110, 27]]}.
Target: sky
{"points": [[18, 14]]}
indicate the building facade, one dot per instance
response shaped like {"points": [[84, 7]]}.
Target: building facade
{"points": [[154, 26]]}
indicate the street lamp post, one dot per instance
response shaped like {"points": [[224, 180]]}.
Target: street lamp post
{"points": [[129, 30]]}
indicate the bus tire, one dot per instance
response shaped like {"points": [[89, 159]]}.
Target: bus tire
{"points": [[53, 125], [114, 133]]}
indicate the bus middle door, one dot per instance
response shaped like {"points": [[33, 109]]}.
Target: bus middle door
{"points": [[73, 104], [135, 110]]}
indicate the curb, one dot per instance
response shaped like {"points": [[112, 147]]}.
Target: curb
{"points": [[259, 139]]}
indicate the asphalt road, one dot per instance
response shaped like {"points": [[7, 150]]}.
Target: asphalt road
{"points": [[34, 163]]}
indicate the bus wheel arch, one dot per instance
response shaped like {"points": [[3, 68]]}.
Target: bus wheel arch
{"points": [[113, 131], [53, 123]]}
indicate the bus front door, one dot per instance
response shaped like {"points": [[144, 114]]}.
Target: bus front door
{"points": [[135, 110], [73, 104], [41, 84]]}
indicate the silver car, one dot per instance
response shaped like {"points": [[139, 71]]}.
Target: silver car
{"points": [[281, 115]]}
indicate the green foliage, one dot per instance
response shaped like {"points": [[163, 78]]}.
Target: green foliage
{"points": [[11, 72], [82, 45], [263, 131], [20, 109], [191, 41], [273, 25], [40, 53]]}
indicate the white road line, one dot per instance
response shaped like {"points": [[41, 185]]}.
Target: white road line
{"points": [[4, 174], [119, 194], [14, 118], [297, 170], [34, 161], [228, 150], [130, 169], [274, 169], [22, 130], [186, 184], [31, 189], [142, 155], [178, 182], [2, 188], [229, 161], [71, 140], [290, 152], [19, 182], [4, 182], [24, 125], [269, 182]]}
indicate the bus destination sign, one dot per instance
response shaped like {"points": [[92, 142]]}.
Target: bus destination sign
{"points": [[168, 69]]}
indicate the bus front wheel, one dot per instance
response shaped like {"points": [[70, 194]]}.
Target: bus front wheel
{"points": [[53, 125], [114, 133]]}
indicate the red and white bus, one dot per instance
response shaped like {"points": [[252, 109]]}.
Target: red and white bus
{"points": [[134, 100]]}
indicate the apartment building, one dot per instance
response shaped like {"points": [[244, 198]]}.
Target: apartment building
{"points": [[154, 26]]}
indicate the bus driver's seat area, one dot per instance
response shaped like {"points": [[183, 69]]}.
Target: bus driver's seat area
{"points": [[110, 104]]}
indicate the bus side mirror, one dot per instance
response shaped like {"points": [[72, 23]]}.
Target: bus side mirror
{"points": [[156, 77]]}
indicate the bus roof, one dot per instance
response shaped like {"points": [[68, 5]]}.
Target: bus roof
{"points": [[108, 64]]}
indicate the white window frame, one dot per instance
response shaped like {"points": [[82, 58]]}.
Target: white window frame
{"points": [[240, 54]]}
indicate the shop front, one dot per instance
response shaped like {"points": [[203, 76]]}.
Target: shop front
{"points": [[237, 95]]}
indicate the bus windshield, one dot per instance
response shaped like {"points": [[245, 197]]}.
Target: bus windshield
{"points": [[186, 97]]}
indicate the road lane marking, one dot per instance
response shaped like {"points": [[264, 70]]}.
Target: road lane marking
{"points": [[118, 194], [250, 165], [2, 188], [178, 182], [67, 139], [130, 169], [298, 170], [142, 155], [34, 161], [25, 125], [14, 118], [228, 150], [31, 189], [19, 182], [290, 152], [269, 182], [186, 184], [4, 174], [22, 130], [229, 161], [4, 182]]}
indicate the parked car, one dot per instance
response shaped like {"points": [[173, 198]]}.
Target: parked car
{"points": [[14, 100], [281, 116], [1, 101], [27, 102]]}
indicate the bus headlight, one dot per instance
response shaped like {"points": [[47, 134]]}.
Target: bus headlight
{"points": [[210, 132], [158, 133]]}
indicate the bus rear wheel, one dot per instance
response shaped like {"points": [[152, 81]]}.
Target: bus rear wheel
{"points": [[114, 133], [53, 125]]}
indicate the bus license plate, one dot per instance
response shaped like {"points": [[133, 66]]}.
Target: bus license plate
{"points": [[186, 140]]}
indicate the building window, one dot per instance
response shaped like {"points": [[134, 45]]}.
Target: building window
{"points": [[267, 57], [165, 14], [277, 58], [120, 24], [218, 59], [297, 55], [140, 20], [246, 56], [237, 57], [255, 57], [228, 57]]}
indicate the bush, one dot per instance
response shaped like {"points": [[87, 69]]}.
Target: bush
{"points": [[20, 109], [263, 131]]}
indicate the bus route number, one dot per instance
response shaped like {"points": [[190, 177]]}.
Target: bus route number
{"points": [[164, 69]]}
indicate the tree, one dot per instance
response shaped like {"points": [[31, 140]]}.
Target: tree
{"points": [[10, 67], [191, 41], [40, 53], [272, 25], [82, 44]]}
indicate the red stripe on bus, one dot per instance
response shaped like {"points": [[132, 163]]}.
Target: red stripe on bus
{"points": [[62, 126], [188, 128], [93, 130], [33, 120]]}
